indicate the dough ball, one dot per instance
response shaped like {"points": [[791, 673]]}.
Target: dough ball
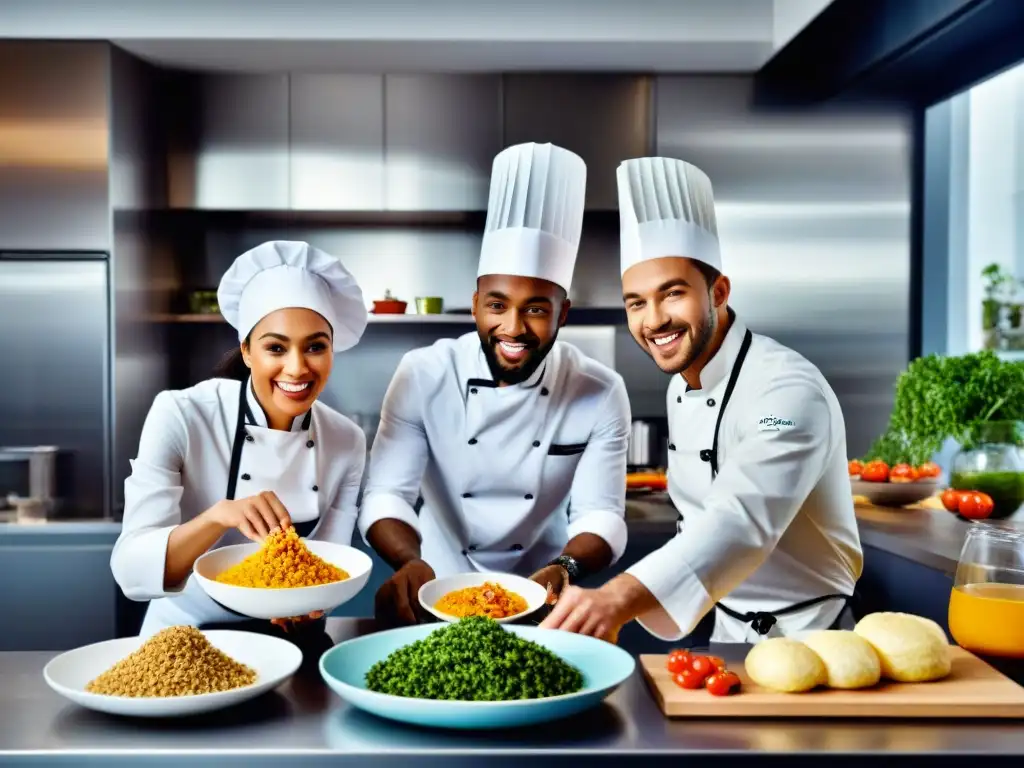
{"points": [[911, 649], [850, 661], [786, 665]]}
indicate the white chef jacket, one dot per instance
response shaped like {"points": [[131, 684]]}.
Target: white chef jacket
{"points": [[183, 468], [777, 525], [508, 474]]}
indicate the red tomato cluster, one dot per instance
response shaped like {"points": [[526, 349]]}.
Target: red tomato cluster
{"points": [[877, 471], [974, 505], [694, 671]]}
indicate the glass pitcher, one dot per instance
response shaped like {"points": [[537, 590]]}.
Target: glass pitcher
{"points": [[993, 462], [986, 607]]}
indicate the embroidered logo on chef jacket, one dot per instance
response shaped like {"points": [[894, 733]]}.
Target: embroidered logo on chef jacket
{"points": [[774, 424]]}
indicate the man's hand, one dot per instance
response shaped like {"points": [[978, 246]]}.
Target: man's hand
{"points": [[601, 612], [397, 601], [554, 578], [287, 624]]}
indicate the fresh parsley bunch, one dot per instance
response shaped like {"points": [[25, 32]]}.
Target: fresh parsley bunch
{"points": [[474, 659], [948, 397]]}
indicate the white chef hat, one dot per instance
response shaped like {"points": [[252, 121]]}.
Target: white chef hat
{"points": [[666, 208], [534, 213], [282, 274]]}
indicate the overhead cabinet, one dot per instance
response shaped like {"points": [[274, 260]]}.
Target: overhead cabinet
{"points": [[441, 135], [229, 143], [336, 147]]}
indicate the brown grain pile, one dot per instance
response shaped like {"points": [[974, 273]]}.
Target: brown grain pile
{"points": [[283, 561], [177, 661]]}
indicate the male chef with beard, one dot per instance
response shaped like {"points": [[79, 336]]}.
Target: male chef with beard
{"points": [[757, 464], [516, 442]]}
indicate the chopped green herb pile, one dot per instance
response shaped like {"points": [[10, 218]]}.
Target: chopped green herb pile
{"points": [[474, 659]]}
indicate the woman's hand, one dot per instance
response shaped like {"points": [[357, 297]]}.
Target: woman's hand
{"points": [[255, 516]]}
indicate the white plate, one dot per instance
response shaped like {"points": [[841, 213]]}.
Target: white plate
{"points": [[274, 660], [291, 601], [532, 592], [895, 494]]}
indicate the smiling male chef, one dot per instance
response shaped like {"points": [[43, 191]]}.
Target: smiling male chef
{"points": [[757, 444], [516, 441]]}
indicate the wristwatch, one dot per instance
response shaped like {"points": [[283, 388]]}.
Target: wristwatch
{"points": [[571, 565]]}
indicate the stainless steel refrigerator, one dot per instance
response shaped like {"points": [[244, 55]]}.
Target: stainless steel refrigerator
{"points": [[55, 349]]}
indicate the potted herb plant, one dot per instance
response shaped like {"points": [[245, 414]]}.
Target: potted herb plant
{"points": [[997, 280], [975, 399]]}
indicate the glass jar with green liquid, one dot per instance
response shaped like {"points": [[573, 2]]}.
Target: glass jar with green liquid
{"points": [[993, 464]]}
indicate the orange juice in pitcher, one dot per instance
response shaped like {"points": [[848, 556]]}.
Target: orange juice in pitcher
{"points": [[988, 618], [986, 606]]}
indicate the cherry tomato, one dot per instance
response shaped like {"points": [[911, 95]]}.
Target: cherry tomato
{"points": [[688, 679], [902, 473], [723, 683], [717, 663], [951, 499], [976, 505], [678, 661], [875, 472], [702, 666], [929, 469], [856, 467]]}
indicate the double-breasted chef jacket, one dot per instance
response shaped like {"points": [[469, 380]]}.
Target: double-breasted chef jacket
{"points": [[508, 474], [770, 525], [184, 467]]}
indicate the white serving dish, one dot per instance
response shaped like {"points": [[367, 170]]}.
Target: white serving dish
{"points": [[895, 494], [274, 659], [283, 602], [533, 593]]}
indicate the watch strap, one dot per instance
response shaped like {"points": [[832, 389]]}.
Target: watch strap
{"points": [[572, 567]]}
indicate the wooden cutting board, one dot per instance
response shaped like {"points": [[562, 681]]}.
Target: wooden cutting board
{"points": [[973, 689]]}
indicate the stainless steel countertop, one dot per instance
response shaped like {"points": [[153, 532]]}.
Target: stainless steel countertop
{"points": [[304, 720]]}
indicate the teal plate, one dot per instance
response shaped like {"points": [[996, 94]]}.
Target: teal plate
{"points": [[604, 667]]}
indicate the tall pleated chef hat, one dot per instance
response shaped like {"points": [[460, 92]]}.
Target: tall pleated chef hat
{"points": [[534, 213], [666, 208], [283, 274]]}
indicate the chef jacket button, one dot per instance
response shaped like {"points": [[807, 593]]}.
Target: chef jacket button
{"points": [[309, 443], [705, 455], [472, 391], [246, 476], [679, 398], [516, 547], [671, 446], [528, 496], [249, 438], [711, 402], [467, 495], [465, 552], [316, 487], [536, 443], [544, 391], [472, 548], [472, 441]]}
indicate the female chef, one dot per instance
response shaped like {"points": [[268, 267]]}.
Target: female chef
{"points": [[226, 461]]}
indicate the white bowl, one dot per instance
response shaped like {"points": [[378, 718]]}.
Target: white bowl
{"points": [[274, 659], [895, 494], [289, 601], [532, 592]]}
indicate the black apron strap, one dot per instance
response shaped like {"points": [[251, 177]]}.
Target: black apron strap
{"points": [[763, 621], [236, 446], [733, 376]]}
